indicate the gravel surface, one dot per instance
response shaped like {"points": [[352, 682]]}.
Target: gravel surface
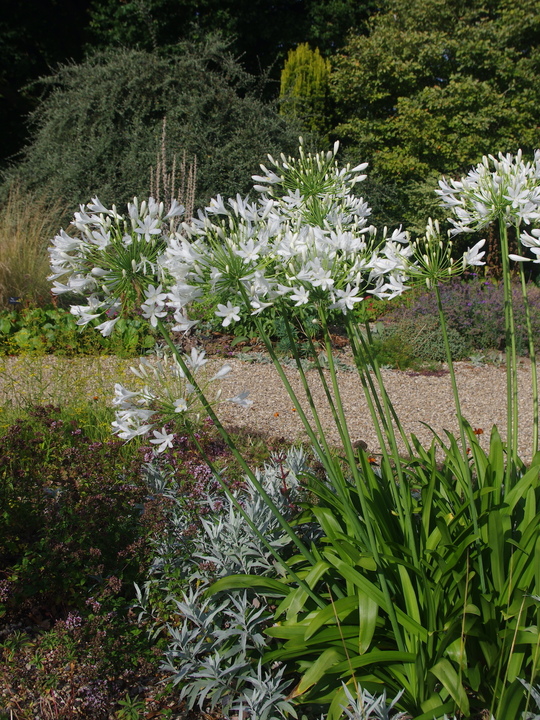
{"points": [[418, 398]]}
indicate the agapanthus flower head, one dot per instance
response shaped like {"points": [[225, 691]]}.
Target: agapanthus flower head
{"points": [[305, 241], [114, 259], [164, 398], [503, 188]]}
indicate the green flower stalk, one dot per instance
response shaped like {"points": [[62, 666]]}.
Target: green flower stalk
{"points": [[506, 191]]}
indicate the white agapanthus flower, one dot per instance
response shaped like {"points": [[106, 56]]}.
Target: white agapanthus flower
{"points": [[531, 241], [229, 313], [499, 188], [307, 240], [116, 260], [165, 396]]}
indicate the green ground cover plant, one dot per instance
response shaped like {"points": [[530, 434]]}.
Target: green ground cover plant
{"points": [[415, 575], [48, 329]]}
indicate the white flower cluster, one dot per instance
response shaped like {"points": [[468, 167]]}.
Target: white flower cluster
{"points": [[433, 261], [166, 396], [505, 188], [114, 260], [306, 240]]}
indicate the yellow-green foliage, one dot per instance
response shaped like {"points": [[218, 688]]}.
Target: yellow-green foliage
{"points": [[26, 225], [304, 87]]}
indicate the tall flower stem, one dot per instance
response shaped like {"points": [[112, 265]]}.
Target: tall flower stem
{"points": [[461, 421], [532, 357], [511, 357], [362, 489], [232, 447], [402, 499]]}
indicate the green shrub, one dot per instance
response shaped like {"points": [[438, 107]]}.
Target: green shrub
{"points": [[424, 340], [98, 128], [474, 310]]}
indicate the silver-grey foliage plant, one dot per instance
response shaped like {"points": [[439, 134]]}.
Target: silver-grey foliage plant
{"points": [[215, 646]]}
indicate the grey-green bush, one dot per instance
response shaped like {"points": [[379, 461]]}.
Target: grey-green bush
{"points": [[98, 127]]}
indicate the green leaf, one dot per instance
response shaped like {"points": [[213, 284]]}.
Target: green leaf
{"points": [[324, 662], [245, 582], [299, 596], [375, 657], [368, 611], [376, 595], [5, 326], [340, 608], [446, 674]]}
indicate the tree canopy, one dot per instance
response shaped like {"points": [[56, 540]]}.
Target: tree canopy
{"points": [[433, 86], [98, 129]]}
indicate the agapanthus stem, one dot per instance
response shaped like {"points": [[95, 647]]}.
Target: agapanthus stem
{"points": [[511, 358], [532, 357], [461, 421], [307, 389], [451, 370], [230, 444], [362, 494]]}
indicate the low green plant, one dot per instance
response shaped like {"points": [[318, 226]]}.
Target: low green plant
{"points": [[49, 329]]}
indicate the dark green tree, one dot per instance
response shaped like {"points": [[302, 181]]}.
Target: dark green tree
{"points": [[434, 86], [262, 31], [98, 129]]}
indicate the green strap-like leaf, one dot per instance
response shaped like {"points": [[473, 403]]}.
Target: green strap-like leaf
{"points": [[444, 672], [324, 662], [245, 582]]}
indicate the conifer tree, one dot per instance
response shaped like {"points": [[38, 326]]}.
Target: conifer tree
{"points": [[304, 87]]}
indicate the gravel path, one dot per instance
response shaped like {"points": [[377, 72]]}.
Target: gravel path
{"points": [[417, 398]]}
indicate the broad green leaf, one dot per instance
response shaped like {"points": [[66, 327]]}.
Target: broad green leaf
{"points": [[339, 609], [521, 487], [368, 611], [295, 602], [446, 674], [319, 668], [409, 594], [335, 711], [375, 657], [245, 582], [376, 595], [496, 546]]}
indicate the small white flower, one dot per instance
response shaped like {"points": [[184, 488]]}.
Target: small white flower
{"points": [[223, 372], [106, 327], [346, 298], [183, 323], [241, 399], [300, 295], [148, 227], [180, 405], [163, 439], [472, 256], [229, 312], [196, 360]]}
